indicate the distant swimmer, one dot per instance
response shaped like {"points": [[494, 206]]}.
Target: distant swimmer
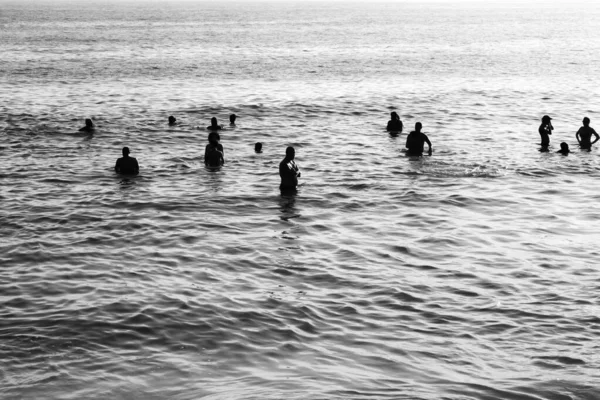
{"points": [[232, 119], [172, 120], [394, 124], [258, 147], [89, 126], [214, 125], [564, 149], [288, 170], [214, 154], [127, 165], [415, 141], [584, 135], [545, 131]]}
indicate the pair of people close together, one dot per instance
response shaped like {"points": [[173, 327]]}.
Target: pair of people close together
{"points": [[583, 135], [415, 141]]}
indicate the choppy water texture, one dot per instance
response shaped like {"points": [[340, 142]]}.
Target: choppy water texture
{"points": [[470, 274]]}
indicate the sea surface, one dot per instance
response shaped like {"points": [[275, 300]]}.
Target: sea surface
{"points": [[473, 273]]}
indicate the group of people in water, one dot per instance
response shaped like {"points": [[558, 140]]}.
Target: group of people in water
{"points": [[214, 154], [415, 140], [583, 135]]}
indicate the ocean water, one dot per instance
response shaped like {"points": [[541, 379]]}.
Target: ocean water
{"points": [[470, 274]]}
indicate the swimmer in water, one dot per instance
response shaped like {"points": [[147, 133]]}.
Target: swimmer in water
{"points": [[232, 119], [394, 124], [564, 149], [127, 165], [214, 155], [214, 125], [415, 142], [172, 120], [89, 126], [288, 170], [258, 147], [584, 135], [545, 130]]}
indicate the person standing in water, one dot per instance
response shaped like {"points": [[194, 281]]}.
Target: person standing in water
{"points": [[214, 125], [415, 141], [564, 149], [288, 170], [584, 135], [394, 124], [214, 153], [127, 165], [89, 126], [545, 131]]}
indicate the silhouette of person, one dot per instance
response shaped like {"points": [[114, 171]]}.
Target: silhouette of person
{"points": [[415, 141], [545, 131], [564, 149], [394, 124], [214, 155], [258, 147], [89, 126], [214, 125], [127, 165], [232, 119], [288, 170], [172, 120], [584, 135]]}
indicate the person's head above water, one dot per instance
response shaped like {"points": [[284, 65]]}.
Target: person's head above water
{"points": [[232, 118], [418, 127], [546, 119], [172, 120], [586, 121], [394, 116], [125, 151], [213, 121], [89, 123], [564, 148], [290, 153], [258, 147]]}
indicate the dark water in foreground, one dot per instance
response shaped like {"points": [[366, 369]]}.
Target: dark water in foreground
{"points": [[471, 274]]}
